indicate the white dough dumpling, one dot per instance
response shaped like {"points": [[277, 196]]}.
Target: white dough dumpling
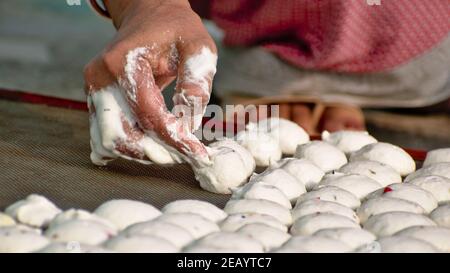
{"points": [[388, 223], [81, 231], [313, 244], [324, 155], [357, 184], [388, 154], [288, 133], [302, 169], [123, 213], [35, 210], [410, 193], [268, 236], [439, 237], [332, 194], [195, 224], [309, 224], [281, 179], [140, 244], [21, 228], [235, 221], [246, 156], [404, 244], [348, 141], [266, 207], [231, 166], [79, 214], [441, 215], [354, 237], [261, 190], [18, 240], [226, 242], [383, 204], [177, 235], [439, 186], [437, 156], [202, 208], [439, 169], [264, 148], [315, 205], [382, 173]]}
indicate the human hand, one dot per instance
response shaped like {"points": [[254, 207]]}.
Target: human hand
{"points": [[156, 42]]}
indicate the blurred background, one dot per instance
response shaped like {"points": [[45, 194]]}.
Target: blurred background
{"points": [[44, 45]]}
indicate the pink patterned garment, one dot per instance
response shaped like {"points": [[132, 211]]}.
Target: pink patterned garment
{"points": [[336, 35]]}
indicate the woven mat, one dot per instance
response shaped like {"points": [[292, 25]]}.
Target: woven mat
{"points": [[45, 150]]}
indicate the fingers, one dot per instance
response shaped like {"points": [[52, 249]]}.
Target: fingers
{"points": [[113, 131], [147, 103], [122, 137], [143, 95], [196, 69], [112, 135]]}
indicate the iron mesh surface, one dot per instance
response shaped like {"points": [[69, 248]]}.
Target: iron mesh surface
{"points": [[45, 150]]}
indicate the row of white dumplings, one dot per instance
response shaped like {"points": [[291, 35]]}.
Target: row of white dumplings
{"points": [[116, 226], [267, 141], [328, 210], [259, 214], [234, 162], [196, 226], [132, 226]]}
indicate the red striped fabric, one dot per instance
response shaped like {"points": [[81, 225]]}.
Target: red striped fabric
{"points": [[337, 35]]}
